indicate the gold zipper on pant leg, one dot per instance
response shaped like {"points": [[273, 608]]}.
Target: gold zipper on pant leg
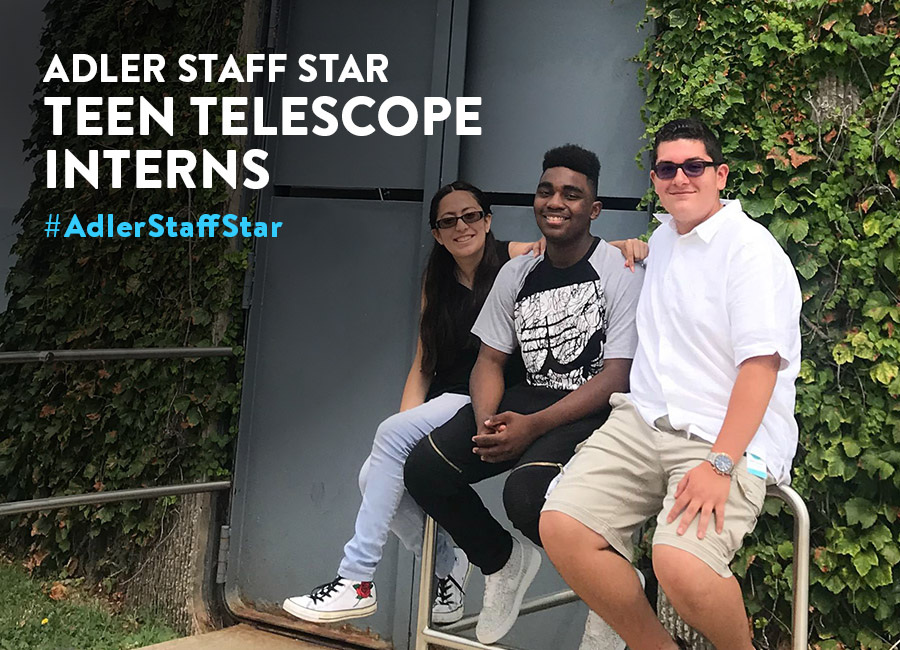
{"points": [[539, 463], [441, 454]]}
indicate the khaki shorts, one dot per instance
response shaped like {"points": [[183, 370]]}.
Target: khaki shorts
{"points": [[627, 471]]}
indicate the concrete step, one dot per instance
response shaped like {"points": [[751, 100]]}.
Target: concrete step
{"points": [[239, 637]]}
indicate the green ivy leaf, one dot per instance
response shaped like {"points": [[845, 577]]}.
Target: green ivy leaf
{"points": [[842, 354], [872, 226], [891, 553], [785, 550], [757, 208], [808, 267], [864, 561], [860, 511], [851, 447], [678, 18], [787, 203], [884, 372]]}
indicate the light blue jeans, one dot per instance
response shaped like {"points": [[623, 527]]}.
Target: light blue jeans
{"points": [[386, 506]]}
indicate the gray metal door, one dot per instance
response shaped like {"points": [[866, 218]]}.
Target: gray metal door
{"points": [[335, 296], [20, 35]]}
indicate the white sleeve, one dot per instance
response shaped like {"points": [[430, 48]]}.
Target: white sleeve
{"points": [[763, 301]]}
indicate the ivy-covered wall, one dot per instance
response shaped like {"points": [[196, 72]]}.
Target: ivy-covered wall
{"points": [[805, 95], [68, 428]]}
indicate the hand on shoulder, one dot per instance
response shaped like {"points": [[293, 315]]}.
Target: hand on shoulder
{"points": [[633, 250]]}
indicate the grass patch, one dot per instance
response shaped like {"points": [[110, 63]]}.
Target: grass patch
{"points": [[30, 619]]}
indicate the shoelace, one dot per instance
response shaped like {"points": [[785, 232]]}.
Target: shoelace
{"points": [[322, 592], [444, 590]]}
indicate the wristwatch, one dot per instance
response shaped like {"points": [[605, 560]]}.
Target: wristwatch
{"points": [[722, 463]]}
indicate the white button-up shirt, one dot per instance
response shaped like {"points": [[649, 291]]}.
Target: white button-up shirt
{"points": [[713, 298]]}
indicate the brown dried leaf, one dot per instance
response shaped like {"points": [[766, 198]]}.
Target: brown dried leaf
{"points": [[788, 136], [47, 411], [798, 159], [864, 205], [895, 179], [774, 155], [93, 417], [866, 9], [827, 26], [58, 591], [35, 560], [830, 135], [102, 373]]}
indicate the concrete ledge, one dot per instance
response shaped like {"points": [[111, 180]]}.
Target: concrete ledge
{"points": [[239, 637]]}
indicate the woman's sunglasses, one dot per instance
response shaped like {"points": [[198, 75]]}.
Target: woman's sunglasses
{"points": [[692, 168], [450, 222]]}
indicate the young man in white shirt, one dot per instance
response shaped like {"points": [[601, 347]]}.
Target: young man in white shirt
{"points": [[709, 418]]}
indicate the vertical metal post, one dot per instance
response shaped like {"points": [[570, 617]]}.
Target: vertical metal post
{"points": [[426, 573], [800, 622]]}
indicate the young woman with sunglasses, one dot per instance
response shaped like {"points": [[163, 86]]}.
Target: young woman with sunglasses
{"points": [[463, 264], [464, 261]]}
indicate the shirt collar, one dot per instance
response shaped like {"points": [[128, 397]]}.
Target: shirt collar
{"points": [[706, 230]]}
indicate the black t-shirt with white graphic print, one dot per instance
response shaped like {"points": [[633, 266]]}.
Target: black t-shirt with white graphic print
{"points": [[566, 320], [561, 324]]}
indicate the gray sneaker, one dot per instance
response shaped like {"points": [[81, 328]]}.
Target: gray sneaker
{"points": [[504, 591], [598, 635]]}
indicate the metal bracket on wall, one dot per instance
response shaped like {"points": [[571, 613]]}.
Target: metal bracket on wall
{"points": [[222, 561]]}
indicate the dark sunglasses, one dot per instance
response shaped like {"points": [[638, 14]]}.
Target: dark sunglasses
{"points": [[450, 222], [691, 168]]}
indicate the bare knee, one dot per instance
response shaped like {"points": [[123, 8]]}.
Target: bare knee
{"points": [[561, 533], [682, 576]]}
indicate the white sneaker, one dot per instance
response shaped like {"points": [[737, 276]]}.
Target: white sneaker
{"points": [[598, 635], [338, 600], [504, 591], [449, 601]]}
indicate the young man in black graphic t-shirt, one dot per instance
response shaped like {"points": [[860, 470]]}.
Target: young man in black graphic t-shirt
{"points": [[572, 313]]}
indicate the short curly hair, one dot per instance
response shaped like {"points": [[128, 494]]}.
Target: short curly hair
{"points": [[688, 128], [578, 159]]}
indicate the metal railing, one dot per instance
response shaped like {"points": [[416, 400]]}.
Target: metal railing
{"points": [[427, 635], [110, 354], [112, 496]]}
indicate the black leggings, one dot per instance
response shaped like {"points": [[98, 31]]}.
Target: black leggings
{"points": [[441, 467]]}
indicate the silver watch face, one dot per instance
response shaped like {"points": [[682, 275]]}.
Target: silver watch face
{"points": [[723, 464]]}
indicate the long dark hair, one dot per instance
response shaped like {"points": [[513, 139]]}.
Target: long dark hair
{"points": [[437, 326]]}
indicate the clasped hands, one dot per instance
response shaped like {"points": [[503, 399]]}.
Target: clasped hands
{"points": [[504, 436]]}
